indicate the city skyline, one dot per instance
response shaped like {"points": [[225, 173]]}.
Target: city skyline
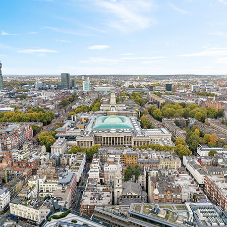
{"points": [[113, 37]]}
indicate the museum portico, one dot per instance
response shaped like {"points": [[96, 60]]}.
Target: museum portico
{"points": [[119, 131]]}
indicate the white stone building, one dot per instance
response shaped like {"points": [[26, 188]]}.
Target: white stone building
{"points": [[195, 169], [33, 212], [59, 146], [4, 198], [110, 172], [113, 106]]}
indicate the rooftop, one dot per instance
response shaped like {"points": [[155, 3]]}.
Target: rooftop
{"points": [[113, 122]]}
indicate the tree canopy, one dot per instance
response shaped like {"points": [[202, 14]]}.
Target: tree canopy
{"points": [[182, 150], [212, 152], [89, 151], [47, 139], [173, 110], [145, 122], [31, 116]]}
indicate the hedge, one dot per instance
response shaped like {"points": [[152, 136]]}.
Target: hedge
{"points": [[49, 219], [61, 215], [75, 221]]}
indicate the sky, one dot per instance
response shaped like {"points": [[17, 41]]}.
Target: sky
{"points": [[87, 37]]}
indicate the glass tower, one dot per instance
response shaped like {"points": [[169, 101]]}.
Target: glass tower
{"points": [[86, 85], [65, 81], [1, 78]]}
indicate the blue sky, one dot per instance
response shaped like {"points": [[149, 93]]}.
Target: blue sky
{"points": [[113, 37]]}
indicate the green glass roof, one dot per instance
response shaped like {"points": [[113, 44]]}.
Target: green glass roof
{"points": [[113, 122]]}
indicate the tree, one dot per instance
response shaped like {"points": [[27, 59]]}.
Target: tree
{"points": [[168, 112], [183, 104], [207, 138], [211, 112], [36, 129], [182, 150], [22, 96], [197, 132], [128, 173], [88, 151], [93, 150], [177, 123], [212, 152], [220, 113], [179, 140], [74, 149], [137, 172], [47, 139], [157, 114], [192, 140], [194, 127], [118, 100], [145, 122], [95, 106], [213, 138], [152, 109], [200, 116]]}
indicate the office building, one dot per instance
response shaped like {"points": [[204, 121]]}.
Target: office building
{"points": [[65, 81], [1, 78], [168, 87], [86, 85]]}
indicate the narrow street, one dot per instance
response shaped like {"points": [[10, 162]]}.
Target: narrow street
{"points": [[63, 116], [81, 188]]}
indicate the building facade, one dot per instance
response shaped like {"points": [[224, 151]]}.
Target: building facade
{"points": [[215, 189], [119, 131], [4, 199], [86, 85]]}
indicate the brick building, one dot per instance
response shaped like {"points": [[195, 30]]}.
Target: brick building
{"points": [[216, 190], [15, 136]]}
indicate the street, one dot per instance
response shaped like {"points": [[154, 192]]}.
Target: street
{"points": [[81, 188]]}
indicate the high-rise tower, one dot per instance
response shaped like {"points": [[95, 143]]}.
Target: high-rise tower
{"points": [[86, 85], [65, 81], [1, 78]]}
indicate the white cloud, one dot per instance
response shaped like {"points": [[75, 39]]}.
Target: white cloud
{"points": [[142, 58], [98, 47], [5, 33], [127, 15], [223, 1], [221, 61], [91, 59], [70, 32], [218, 33], [150, 62], [62, 41], [3, 46], [178, 9], [127, 54], [33, 51], [211, 52], [32, 33]]}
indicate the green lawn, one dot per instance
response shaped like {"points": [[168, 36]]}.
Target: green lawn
{"points": [[181, 207], [146, 209], [167, 207], [137, 208]]}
